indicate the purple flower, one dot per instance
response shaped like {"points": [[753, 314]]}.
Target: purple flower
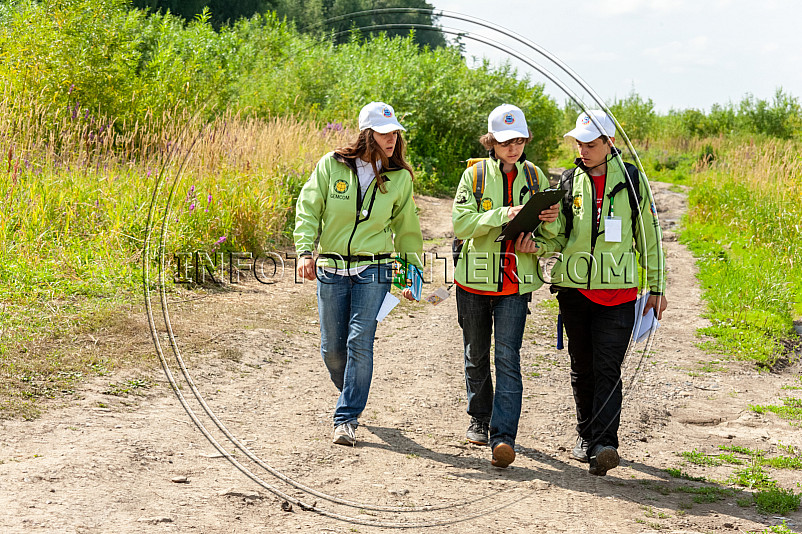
{"points": [[149, 173], [72, 86], [192, 207], [209, 199], [220, 241], [192, 189]]}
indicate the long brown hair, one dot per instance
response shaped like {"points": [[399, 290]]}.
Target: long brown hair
{"points": [[366, 148]]}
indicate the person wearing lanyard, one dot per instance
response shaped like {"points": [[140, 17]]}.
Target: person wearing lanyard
{"points": [[495, 280], [596, 282], [358, 201]]}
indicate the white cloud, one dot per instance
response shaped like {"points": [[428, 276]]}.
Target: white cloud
{"points": [[677, 55], [643, 7]]}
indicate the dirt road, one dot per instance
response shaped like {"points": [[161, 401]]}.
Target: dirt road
{"points": [[136, 462]]}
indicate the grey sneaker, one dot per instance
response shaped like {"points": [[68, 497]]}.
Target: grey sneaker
{"points": [[602, 459], [477, 431], [345, 434], [580, 451]]}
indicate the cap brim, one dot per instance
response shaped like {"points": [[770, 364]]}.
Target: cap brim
{"points": [[506, 135], [387, 128], [581, 134]]}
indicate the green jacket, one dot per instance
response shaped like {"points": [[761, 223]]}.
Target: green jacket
{"points": [[330, 205], [480, 261], [613, 263]]}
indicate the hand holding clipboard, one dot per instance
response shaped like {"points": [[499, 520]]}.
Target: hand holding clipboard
{"points": [[528, 218]]}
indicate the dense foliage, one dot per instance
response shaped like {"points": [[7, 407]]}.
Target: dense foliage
{"points": [[313, 16], [127, 65]]}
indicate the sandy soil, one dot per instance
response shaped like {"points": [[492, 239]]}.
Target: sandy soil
{"points": [[136, 461]]}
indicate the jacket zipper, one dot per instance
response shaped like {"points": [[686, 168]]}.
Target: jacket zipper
{"points": [[360, 201], [594, 231]]}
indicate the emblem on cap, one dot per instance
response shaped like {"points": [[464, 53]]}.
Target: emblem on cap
{"points": [[586, 120], [387, 113], [341, 186], [509, 119]]}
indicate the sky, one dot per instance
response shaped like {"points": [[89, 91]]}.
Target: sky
{"points": [[679, 53]]}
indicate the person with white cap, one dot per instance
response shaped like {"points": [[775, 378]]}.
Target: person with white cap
{"points": [[596, 279], [358, 202], [495, 279]]}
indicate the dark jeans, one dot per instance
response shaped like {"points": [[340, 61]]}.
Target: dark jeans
{"points": [[479, 316], [598, 337]]}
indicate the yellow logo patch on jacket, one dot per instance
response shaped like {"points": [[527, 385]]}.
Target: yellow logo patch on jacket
{"points": [[487, 204], [341, 186]]}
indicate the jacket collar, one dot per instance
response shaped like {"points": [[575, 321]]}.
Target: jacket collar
{"points": [[614, 151], [351, 163], [492, 154]]}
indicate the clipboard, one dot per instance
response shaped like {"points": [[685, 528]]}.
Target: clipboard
{"points": [[528, 218]]}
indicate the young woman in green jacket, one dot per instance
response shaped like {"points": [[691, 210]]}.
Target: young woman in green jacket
{"points": [[495, 280], [359, 203]]}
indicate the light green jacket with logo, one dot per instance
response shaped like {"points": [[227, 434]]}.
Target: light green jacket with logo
{"points": [[330, 205], [586, 259], [480, 261]]}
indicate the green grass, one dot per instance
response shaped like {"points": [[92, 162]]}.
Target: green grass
{"points": [[752, 477], [769, 497], [707, 494], [131, 386], [776, 501], [743, 227], [72, 229], [678, 473], [697, 458], [776, 529], [790, 410]]}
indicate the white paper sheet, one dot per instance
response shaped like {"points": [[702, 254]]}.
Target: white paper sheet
{"points": [[390, 302], [643, 325]]}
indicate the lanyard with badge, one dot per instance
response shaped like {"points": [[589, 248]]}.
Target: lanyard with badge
{"points": [[612, 225]]}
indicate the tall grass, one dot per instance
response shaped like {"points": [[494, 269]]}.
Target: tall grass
{"points": [[745, 226], [75, 200]]}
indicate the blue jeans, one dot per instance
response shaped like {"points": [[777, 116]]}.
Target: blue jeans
{"points": [[347, 306], [479, 316], [598, 337]]}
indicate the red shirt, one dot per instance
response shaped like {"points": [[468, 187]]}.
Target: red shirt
{"points": [[509, 263], [607, 297]]}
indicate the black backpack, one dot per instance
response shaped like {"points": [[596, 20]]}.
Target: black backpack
{"points": [[479, 172], [567, 184]]}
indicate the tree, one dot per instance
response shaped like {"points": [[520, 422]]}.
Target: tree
{"points": [[315, 16], [222, 11]]}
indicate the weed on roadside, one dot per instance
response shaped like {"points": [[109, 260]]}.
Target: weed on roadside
{"points": [[132, 386], [776, 501], [790, 410]]}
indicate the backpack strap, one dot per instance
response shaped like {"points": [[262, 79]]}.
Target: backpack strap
{"points": [[531, 177], [633, 193], [567, 185], [479, 172]]}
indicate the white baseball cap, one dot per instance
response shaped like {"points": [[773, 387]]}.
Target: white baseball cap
{"points": [[586, 130], [507, 122], [379, 117]]}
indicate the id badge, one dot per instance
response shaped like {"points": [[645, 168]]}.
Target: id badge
{"points": [[612, 229]]}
